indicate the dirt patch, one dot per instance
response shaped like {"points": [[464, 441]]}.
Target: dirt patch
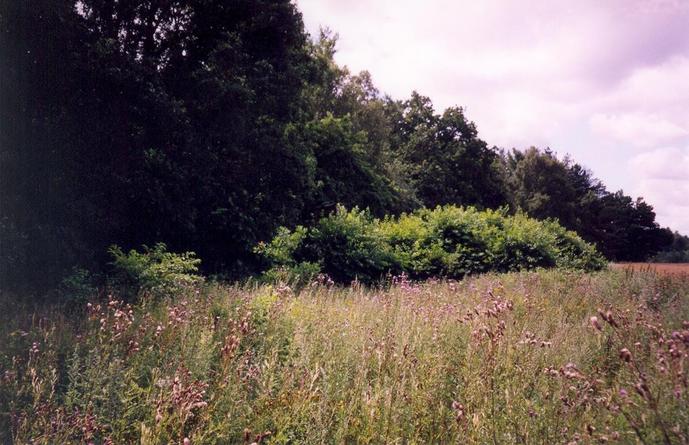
{"points": [[663, 268]]}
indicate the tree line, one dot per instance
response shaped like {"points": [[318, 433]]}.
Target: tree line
{"points": [[207, 124]]}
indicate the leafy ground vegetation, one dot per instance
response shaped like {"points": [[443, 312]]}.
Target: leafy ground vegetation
{"points": [[448, 241], [524, 357]]}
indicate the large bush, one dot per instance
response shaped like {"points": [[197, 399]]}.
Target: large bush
{"points": [[153, 270], [447, 241], [346, 245]]}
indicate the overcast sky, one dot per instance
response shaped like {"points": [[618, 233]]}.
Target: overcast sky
{"points": [[604, 81]]}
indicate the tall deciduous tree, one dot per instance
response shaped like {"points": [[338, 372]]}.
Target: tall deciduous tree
{"points": [[443, 157], [546, 187], [206, 124], [141, 121]]}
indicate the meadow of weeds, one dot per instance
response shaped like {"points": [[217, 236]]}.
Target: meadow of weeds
{"points": [[540, 357]]}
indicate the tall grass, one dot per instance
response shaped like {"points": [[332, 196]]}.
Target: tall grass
{"points": [[540, 357]]}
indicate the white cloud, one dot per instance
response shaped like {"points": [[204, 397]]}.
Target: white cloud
{"points": [[656, 86], [662, 178], [639, 129], [664, 163], [603, 81]]}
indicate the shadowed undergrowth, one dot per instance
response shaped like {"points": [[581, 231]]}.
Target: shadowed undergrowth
{"points": [[539, 357]]}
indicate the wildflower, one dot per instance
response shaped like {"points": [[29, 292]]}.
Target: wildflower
{"points": [[595, 323], [570, 371], [550, 371], [607, 316], [674, 350], [641, 388], [459, 410], [186, 441], [133, 346]]}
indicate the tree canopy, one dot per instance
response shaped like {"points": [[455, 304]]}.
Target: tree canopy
{"points": [[207, 124]]}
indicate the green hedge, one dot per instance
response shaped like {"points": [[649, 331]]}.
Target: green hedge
{"points": [[447, 241], [153, 270]]}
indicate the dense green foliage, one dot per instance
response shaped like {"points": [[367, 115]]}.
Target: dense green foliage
{"points": [[677, 252], [448, 241], [154, 271], [138, 122], [208, 124], [546, 187], [500, 359]]}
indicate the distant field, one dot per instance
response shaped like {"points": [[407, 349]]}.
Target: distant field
{"points": [[665, 268]]}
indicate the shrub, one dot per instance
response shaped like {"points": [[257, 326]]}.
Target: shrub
{"points": [[526, 244], [671, 256], [297, 274], [572, 252], [77, 287], [347, 245], [154, 270], [447, 241]]}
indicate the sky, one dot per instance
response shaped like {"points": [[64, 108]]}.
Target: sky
{"points": [[606, 82]]}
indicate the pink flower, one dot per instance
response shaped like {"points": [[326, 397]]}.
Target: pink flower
{"points": [[595, 323]]}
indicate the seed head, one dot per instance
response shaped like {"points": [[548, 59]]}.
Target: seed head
{"points": [[641, 389], [595, 323]]}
